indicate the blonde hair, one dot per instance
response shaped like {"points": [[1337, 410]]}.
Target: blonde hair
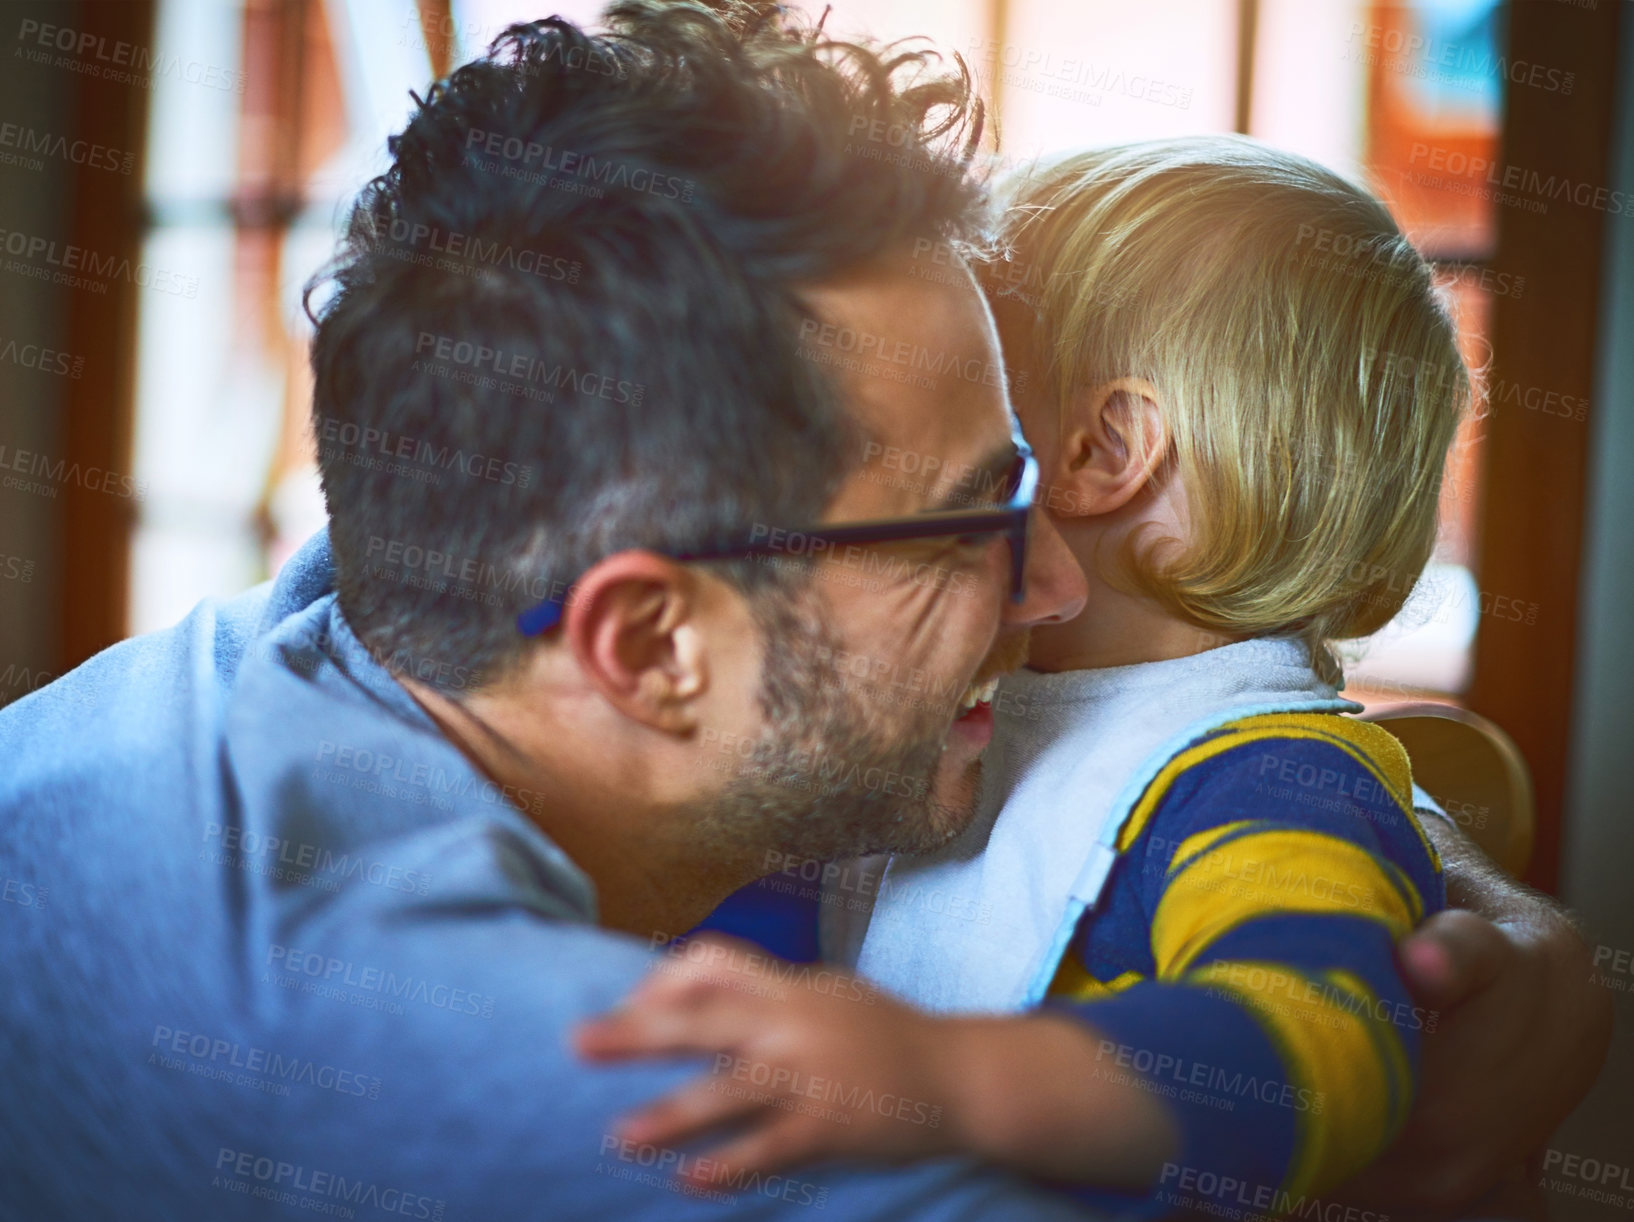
{"points": [[1307, 367]]}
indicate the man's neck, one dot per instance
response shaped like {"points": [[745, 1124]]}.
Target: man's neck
{"points": [[641, 888], [647, 872]]}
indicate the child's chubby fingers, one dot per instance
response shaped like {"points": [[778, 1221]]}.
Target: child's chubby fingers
{"points": [[779, 1143], [682, 985], [707, 1019], [709, 957], [701, 1105], [722, 970], [636, 1030]]}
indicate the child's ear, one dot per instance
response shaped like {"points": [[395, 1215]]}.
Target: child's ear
{"points": [[1114, 438]]}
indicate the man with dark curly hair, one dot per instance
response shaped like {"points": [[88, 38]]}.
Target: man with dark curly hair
{"points": [[678, 529]]}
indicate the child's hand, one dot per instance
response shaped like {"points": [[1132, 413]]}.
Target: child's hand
{"points": [[816, 1065]]}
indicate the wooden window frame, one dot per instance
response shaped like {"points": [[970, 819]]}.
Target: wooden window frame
{"points": [[1535, 481], [1530, 532], [97, 432]]}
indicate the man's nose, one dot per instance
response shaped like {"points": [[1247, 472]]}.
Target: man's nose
{"points": [[1056, 589]]}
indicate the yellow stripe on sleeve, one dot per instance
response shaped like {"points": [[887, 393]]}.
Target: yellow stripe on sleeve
{"points": [[1189, 848], [1074, 983], [1281, 870], [1374, 748], [1348, 1073], [1154, 793]]}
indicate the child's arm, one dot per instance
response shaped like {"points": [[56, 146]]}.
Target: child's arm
{"points": [[822, 1066]]}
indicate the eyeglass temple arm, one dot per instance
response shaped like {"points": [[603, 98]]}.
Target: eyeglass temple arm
{"points": [[546, 615]]}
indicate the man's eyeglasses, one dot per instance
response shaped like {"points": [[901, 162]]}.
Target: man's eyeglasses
{"points": [[1008, 518]]}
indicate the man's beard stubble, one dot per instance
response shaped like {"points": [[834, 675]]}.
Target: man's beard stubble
{"points": [[832, 776]]}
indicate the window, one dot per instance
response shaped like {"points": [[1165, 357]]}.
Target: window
{"points": [[248, 198]]}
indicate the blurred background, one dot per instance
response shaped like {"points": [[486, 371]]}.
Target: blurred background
{"points": [[172, 171]]}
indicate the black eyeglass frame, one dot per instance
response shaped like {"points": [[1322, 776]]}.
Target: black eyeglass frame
{"points": [[1010, 519]]}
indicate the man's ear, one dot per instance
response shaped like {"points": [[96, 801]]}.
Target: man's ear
{"points": [[633, 625], [1114, 437]]}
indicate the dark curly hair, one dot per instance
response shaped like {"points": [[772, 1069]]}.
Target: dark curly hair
{"points": [[562, 323]]}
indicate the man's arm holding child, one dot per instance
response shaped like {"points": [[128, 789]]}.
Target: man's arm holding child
{"points": [[1520, 1038], [1522, 1034], [1245, 962]]}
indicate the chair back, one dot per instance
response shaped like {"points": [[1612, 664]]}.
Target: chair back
{"points": [[1474, 770]]}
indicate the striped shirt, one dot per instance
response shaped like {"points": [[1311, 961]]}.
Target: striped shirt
{"points": [[1240, 963]]}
